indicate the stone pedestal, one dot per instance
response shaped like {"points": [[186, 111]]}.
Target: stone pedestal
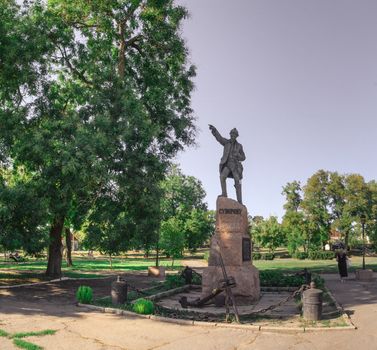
{"points": [[233, 240], [364, 275]]}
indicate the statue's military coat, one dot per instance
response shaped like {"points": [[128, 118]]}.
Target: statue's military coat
{"points": [[238, 153]]}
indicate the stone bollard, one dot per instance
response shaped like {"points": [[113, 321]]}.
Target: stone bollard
{"points": [[119, 291], [312, 304]]}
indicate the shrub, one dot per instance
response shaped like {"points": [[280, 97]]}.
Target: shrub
{"points": [[300, 255], [174, 281], [268, 256], [319, 281], [143, 306], [84, 295], [257, 256], [321, 255], [132, 295], [206, 255], [196, 279], [278, 279]]}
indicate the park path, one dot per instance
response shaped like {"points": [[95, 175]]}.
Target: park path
{"points": [[52, 307]]}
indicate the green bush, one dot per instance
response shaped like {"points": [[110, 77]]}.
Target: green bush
{"points": [[174, 281], [132, 295], [278, 279], [318, 280], [206, 255], [196, 279], [268, 256], [300, 255], [84, 295], [257, 256], [321, 255], [143, 306]]}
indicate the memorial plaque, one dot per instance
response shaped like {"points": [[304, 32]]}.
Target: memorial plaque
{"points": [[246, 249]]}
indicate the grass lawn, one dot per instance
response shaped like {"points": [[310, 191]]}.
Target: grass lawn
{"points": [[33, 271], [319, 266]]}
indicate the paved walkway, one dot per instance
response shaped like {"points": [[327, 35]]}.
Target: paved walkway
{"points": [[79, 329]]}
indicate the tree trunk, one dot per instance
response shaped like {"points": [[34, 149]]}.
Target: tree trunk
{"points": [[157, 253], [111, 262], [346, 238], [68, 242], [54, 266]]}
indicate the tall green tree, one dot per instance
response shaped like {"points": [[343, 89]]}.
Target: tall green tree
{"points": [[268, 233], [315, 204], [183, 199], [107, 106], [330, 201]]}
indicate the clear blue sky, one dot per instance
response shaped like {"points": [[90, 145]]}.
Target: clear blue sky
{"points": [[297, 78]]}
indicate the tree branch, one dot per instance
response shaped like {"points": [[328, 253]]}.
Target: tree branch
{"points": [[74, 69]]}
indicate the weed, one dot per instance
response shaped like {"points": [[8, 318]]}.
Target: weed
{"points": [[84, 295]]}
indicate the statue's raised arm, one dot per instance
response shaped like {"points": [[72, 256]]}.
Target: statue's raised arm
{"points": [[230, 164], [217, 135]]}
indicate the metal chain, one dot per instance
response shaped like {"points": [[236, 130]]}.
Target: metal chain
{"points": [[261, 311], [271, 307], [130, 286]]}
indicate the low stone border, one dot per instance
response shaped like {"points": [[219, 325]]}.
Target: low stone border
{"points": [[344, 314], [168, 293], [250, 327]]}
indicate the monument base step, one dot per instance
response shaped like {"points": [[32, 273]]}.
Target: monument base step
{"points": [[246, 277]]}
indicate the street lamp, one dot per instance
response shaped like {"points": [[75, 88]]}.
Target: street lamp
{"points": [[362, 220]]}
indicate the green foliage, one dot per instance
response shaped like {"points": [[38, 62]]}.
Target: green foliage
{"points": [[84, 295], [257, 256], [132, 295], [321, 255], [93, 107], [22, 344], [143, 306], [33, 334], [318, 280], [172, 238], [184, 211], [301, 255], [270, 278], [3, 333], [267, 233], [268, 256], [174, 281], [196, 279], [329, 201], [206, 255]]}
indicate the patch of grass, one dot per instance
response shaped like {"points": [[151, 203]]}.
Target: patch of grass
{"points": [[33, 334], [3, 333], [22, 344], [143, 306]]}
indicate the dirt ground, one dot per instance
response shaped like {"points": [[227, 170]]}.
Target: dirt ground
{"points": [[52, 306]]}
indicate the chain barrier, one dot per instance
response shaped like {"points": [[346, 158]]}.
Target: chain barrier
{"points": [[261, 311], [139, 291], [274, 306]]}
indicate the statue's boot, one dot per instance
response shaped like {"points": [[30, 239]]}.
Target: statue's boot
{"points": [[238, 192], [223, 187]]}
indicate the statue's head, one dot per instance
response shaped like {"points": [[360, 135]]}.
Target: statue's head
{"points": [[233, 134]]}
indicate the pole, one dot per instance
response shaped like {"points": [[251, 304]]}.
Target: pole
{"points": [[363, 224]]}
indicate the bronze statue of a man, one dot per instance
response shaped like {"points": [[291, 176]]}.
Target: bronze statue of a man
{"points": [[230, 164]]}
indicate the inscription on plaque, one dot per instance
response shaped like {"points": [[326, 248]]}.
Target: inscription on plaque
{"points": [[246, 249], [230, 211]]}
